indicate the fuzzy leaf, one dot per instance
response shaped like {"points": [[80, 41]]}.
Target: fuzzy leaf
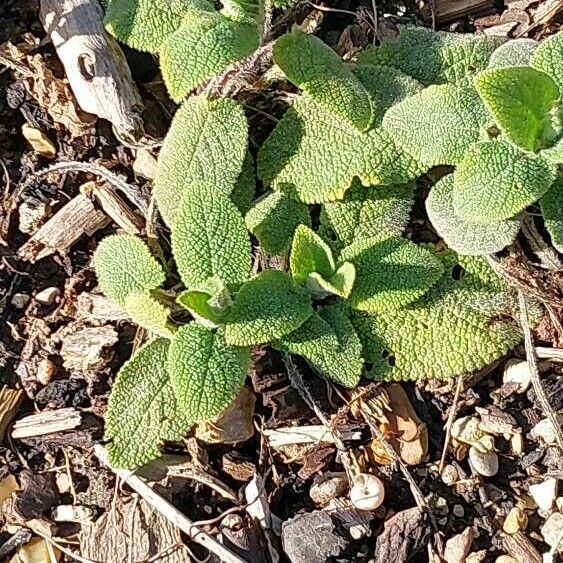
{"points": [[341, 283], [438, 124], [365, 213], [328, 341], [496, 180], [149, 313], [516, 52], [463, 236], [434, 57], [144, 24], [460, 326], [387, 86], [205, 143], [273, 220], [124, 264], [142, 409], [205, 372], [247, 11], [245, 189], [554, 154], [547, 58], [209, 239], [266, 308], [390, 273], [310, 253], [520, 99], [551, 205], [314, 157], [203, 46], [313, 66]]}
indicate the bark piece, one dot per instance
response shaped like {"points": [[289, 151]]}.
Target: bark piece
{"points": [[77, 218], [10, 399], [46, 422], [95, 65]]}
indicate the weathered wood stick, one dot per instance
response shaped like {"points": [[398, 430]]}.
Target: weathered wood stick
{"points": [[46, 422], [94, 63]]}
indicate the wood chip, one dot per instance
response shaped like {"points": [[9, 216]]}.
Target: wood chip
{"points": [[308, 435], [77, 218], [46, 422], [10, 400]]}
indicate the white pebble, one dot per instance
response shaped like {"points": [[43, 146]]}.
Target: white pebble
{"points": [[20, 300], [484, 463], [518, 373], [48, 295], [544, 493], [367, 492]]}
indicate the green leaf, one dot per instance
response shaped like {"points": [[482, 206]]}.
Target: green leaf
{"points": [[496, 180], [460, 326], [209, 239], [142, 409], [266, 308], [328, 341], [520, 99], [551, 205], [313, 66], [516, 52], [341, 283], [438, 125], [554, 154], [203, 46], [248, 11], [124, 264], [144, 24], [462, 236], [310, 253], [365, 213], [390, 273], [547, 58], [313, 156], [209, 305], [205, 372], [244, 191], [273, 220], [387, 86], [205, 143], [434, 57], [148, 312]]}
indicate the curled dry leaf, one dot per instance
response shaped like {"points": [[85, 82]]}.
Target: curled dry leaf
{"points": [[38, 141], [399, 424]]}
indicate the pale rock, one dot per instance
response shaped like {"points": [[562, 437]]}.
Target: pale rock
{"points": [[518, 373], [552, 531], [467, 430], [517, 443], [458, 546], [515, 521], [450, 475], [38, 141], [20, 300], [506, 559], [484, 463], [367, 492], [544, 493], [145, 164], [545, 431], [46, 371], [47, 296], [327, 487]]}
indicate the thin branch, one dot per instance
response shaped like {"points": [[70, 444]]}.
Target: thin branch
{"points": [[450, 421], [532, 360]]}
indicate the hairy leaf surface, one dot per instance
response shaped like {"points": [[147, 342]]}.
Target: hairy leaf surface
{"points": [[273, 220], [310, 253], [551, 205], [437, 125], [266, 308], [149, 313], [547, 58], [462, 236], [124, 264], [205, 143], [245, 188], [496, 180], [313, 156], [341, 283], [142, 409], [516, 52], [460, 326], [209, 239], [144, 24], [390, 273], [205, 372], [313, 66], [520, 99], [328, 341], [434, 57], [204, 45], [365, 213]]}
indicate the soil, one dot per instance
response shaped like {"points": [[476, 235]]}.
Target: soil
{"points": [[60, 469]]}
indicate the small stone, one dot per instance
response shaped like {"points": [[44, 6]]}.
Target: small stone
{"points": [[46, 371], [145, 164], [517, 443], [20, 300], [552, 531], [484, 463], [545, 431], [517, 372], [559, 504], [476, 556], [515, 521], [70, 513], [544, 493], [506, 559], [38, 141], [32, 213], [450, 475], [458, 511], [327, 487], [468, 431], [47, 296], [367, 492]]}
